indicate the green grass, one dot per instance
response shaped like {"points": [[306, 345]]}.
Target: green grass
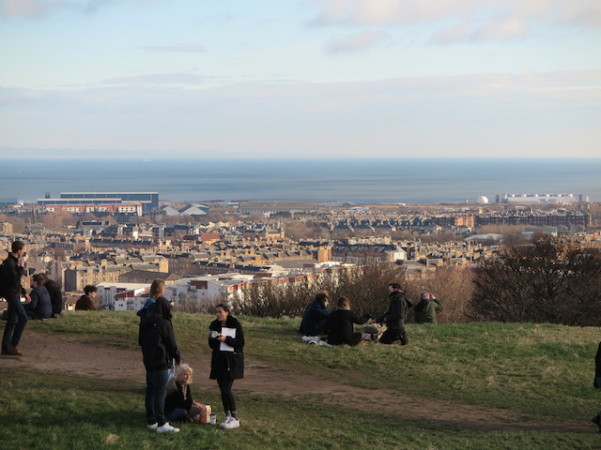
{"points": [[537, 372], [54, 411]]}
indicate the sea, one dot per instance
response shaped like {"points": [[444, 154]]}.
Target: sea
{"points": [[336, 181]]}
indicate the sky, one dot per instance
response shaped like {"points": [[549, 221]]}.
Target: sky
{"points": [[300, 78]]}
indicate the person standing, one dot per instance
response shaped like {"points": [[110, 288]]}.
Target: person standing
{"points": [[86, 301], [394, 317], [40, 306], [426, 308], [11, 271], [597, 384], [159, 351], [226, 339]]}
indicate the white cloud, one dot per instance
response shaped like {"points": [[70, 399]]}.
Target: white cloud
{"points": [[438, 116], [31, 9], [355, 42], [490, 19], [158, 79], [179, 48]]}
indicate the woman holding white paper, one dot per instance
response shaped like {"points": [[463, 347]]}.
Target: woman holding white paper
{"points": [[226, 338]]}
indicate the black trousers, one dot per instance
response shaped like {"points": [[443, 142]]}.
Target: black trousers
{"points": [[394, 334], [227, 397]]}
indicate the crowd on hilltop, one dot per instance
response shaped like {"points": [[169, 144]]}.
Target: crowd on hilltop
{"points": [[168, 395]]}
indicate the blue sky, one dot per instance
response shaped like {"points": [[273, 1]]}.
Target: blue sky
{"points": [[300, 78]]}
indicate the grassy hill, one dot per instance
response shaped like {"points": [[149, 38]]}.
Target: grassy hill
{"points": [[481, 385]]}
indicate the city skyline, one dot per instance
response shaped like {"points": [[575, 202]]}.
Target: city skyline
{"points": [[307, 78]]}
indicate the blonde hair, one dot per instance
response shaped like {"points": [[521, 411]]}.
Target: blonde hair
{"points": [[157, 288], [182, 369]]}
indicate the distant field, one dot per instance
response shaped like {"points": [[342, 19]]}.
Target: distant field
{"points": [[482, 385]]}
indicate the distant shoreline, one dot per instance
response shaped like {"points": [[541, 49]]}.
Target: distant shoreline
{"points": [[336, 181]]}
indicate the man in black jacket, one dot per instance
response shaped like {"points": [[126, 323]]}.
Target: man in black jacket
{"points": [[394, 318], [11, 271]]}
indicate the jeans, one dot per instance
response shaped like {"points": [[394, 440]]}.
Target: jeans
{"points": [[178, 414], [17, 319], [156, 392]]}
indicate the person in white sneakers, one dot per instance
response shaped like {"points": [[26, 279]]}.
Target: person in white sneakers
{"points": [[226, 339], [159, 351]]}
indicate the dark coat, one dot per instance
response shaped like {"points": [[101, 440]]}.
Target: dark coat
{"points": [[176, 399], [157, 339], [397, 311], [10, 278], [340, 327], [227, 363], [56, 297], [314, 315], [85, 303], [40, 306], [597, 382]]}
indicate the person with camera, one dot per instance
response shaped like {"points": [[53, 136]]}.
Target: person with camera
{"points": [[226, 339], [426, 308], [11, 271]]}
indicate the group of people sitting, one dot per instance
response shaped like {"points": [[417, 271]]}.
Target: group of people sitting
{"points": [[45, 298], [339, 325]]}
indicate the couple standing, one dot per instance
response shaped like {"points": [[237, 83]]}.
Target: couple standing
{"points": [[160, 354]]}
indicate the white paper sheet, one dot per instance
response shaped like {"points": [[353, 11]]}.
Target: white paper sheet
{"points": [[231, 332]]}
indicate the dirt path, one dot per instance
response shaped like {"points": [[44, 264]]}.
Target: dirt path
{"points": [[48, 352]]}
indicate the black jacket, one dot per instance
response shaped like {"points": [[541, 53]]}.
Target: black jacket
{"points": [[10, 278], [597, 367], [227, 363], [397, 311], [340, 326], [157, 339], [314, 314], [177, 397], [56, 297]]}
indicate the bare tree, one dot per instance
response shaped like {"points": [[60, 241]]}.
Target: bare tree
{"points": [[551, 280]]}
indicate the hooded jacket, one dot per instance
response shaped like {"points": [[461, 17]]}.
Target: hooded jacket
{"points": [[397, 311], [156, 337]]}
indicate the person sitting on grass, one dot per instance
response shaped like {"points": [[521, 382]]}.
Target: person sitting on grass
{"points": [[315, 316], [86, 301], [56, 296], [40, 306], [340, 324], [179, 404]]}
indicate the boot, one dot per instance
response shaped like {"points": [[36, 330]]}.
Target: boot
{"points": [[13, 350]]}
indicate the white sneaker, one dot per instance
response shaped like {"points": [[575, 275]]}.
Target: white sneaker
{"points": [[226, 420], [152, 426], [166, 428], [232, 423]]}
